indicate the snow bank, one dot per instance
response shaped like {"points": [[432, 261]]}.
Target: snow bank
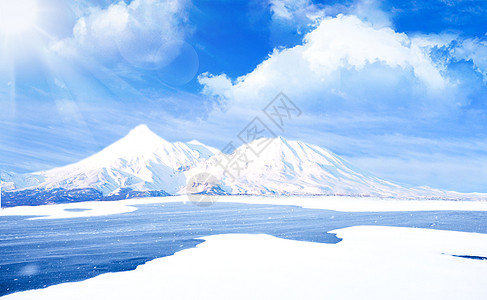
{"points": [[69, 210], [370, 263], [337, 203]]}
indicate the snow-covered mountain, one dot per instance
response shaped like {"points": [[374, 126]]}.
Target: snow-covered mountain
{"points": [[278, 166], [144, 164], [140, 161]]}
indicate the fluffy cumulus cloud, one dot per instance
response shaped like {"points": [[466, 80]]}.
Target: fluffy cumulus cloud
{"points": [[342, 59], [146, 33]]}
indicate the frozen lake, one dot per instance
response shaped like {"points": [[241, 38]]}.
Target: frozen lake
{"points": [[43, 252]]}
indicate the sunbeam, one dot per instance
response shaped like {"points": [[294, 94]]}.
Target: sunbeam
{"points": [[17, 16]]}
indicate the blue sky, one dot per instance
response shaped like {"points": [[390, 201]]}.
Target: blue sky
{"points": [[398, 88]]}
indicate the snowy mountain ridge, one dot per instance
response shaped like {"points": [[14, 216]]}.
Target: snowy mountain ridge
{"points": [[143, 163], [295, 168]]}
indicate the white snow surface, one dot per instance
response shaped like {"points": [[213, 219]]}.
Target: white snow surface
{"points": [[337, 203], [370, 263], [65, 210]]}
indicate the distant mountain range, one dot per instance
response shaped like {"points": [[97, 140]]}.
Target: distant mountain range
{"points": [[143, 164]]}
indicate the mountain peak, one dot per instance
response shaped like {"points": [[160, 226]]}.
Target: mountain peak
{"points": [[141, 136], [274, 140], [195, 142], [281, 140], [141, 129], [277, 143]]}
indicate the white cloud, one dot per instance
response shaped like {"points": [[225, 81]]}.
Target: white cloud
{"points": [[346, 42], [143, 32], [302, 13], [212, 83], [369, 10], [345, 58], [290, 10], [474, 50]]}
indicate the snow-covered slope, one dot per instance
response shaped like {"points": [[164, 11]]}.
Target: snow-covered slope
{"points": [[204, 150], [292, 167], [141, 161], [13, 181]]}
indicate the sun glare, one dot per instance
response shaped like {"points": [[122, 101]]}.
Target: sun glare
{"points": [[17, 16]]}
